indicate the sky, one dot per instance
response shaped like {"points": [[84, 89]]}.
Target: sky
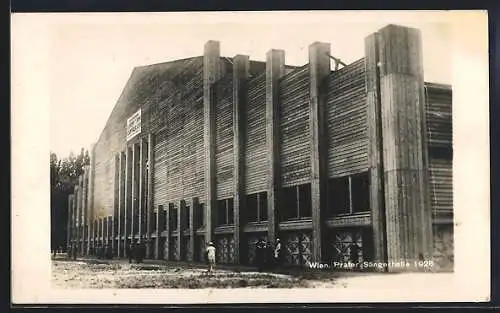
{"points": [[92, 55]]}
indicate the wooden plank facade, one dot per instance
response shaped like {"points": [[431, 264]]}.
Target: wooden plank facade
{"points": [[353, 164]]}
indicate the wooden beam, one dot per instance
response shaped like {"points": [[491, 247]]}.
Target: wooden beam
{"points": [[78, 213], [116, 203], [168, 231], [319, 69], [84, 210], [150, 199], [127, 200], [90, 194], [119, 245], [275, 69], [133, 228], [140, 200], [211, 73], [408, 215], [194, 206], [75, 214], [241, 67], [375, 148], [180, 227]]}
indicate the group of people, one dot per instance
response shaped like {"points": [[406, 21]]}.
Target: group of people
{"points": [[267, 256], [135, 251]]}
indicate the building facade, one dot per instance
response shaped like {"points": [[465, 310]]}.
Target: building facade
{"points": [[342, 164]]}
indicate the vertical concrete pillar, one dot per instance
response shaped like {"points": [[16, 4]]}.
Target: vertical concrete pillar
{"points": [[82, 213], [319, 70], [375, 148], [111, 223], [84, 210], [78, 214], [408, 213], [128, 202], [241, 67], [140, 200], [98, 230], [168, 231], [150, 199], [70, 222], [116, 202], [119, 221], [105, 230], [101, 230], [211, 73], [275, 69], [133, 215], [90, 195], [75, 215], [194, 206]]}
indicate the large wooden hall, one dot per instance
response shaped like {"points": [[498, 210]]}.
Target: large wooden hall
{"points": [[326, 157]]}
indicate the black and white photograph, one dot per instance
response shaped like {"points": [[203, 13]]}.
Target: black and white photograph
{"points": [[250, 157]]}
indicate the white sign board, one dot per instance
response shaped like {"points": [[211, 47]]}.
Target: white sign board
{"points": [[134, 125]]}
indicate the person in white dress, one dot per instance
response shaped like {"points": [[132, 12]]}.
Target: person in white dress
{"points": [[211, 257]]}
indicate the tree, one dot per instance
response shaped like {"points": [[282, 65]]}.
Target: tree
{"points": [[64, 175]]}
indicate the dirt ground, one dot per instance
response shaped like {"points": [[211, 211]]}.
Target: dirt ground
{"points": [[88, 273]]}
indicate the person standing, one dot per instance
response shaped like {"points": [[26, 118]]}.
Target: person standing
{"points": [[277, 253], [211, 257]]}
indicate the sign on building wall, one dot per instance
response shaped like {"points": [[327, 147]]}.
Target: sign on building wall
{"points": [[134, 125]]}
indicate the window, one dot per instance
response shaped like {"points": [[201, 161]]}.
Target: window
{"points": [[173, 218], [296, 202], [349, 194], [186, 218], [339, 200], [199, 215], [444, 153], [221, 212], [162, 223], [252, 208], [256, 207], [155, 217], [289, 209], [262, 206], [360, 190], [230, 211], [305, 200], [225, 212]]}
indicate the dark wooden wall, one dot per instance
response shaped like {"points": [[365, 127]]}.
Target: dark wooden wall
{"points": [[255, 143], [178, 152], [224, 137], [295, 143], [171, 99], [347, 121], [440, 138]]}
